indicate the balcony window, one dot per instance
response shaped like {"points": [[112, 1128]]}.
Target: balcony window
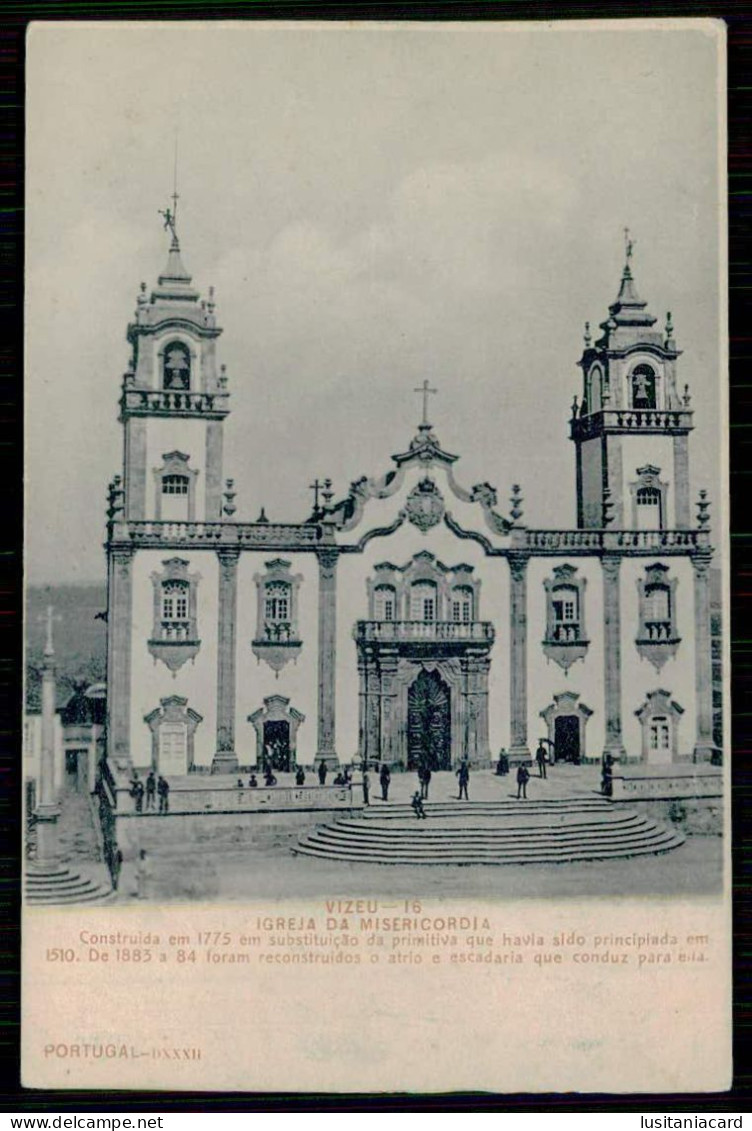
{"points": [[565, 601], [277, 638], [423, 601], [462, 604], [385, 603], [657, 636], [174, 637], [565, 639]]}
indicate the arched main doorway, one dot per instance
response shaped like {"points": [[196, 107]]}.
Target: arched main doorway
{"points": [[428, 723]]}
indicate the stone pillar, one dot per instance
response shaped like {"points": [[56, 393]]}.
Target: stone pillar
{"points": [[578, 486], [390, 746], [225, 760], [135, 468], [47, 809], [614, 745], [326, 751], [704, 750], [518, 749], [612, 475], [213, 481], [119, 629], [681, 482]]}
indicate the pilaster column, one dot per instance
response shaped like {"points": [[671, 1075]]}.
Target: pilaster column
{"points": [[389, 748], [681, 482], [327, 560], [704, 750], [518, 749], [213, 484], [225, 760], [119, 629], [614, 745]]}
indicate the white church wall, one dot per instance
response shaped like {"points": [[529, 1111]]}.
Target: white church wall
{"points": [[186, 436], [297, 680], [584, 677], [152, 680], [677, 674]]}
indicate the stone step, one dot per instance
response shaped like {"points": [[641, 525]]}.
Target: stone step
{"points": [[56, 884], [389, 810], [492, 833], [642, 847], [480, 824], [499, 839], [96, 895]]}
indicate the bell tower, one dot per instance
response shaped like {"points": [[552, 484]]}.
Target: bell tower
{"points": [[632, 425], [174, 400]]}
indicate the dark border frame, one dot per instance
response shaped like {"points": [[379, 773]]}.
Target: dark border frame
{"points": [[16, 15]]}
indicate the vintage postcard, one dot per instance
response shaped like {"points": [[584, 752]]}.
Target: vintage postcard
{"points": [[377, 620]]}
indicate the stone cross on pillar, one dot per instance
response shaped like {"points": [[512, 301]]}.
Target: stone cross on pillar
{"points": [[47, 809]]}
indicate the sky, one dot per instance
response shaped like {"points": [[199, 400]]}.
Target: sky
{"points": [[374, 205]]}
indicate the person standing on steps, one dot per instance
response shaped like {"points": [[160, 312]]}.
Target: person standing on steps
{"points": [[322, 772], [541, 758], [424, 776], [523, 777], [417, 804], [151, 790], [163, 789], [463, 776], [366, 787], [385, 778]]}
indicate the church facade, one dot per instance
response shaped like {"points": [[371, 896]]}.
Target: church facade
{"points": [[416, 620]]}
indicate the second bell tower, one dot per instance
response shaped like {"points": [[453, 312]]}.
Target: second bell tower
{"points": [[632, 426]]}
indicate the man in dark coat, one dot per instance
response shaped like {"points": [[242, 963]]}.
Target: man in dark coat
{"points": [[151, 789], [163, 789], [322, 772], [541, 758], [463, 775], [523, 777], [385, 778]]}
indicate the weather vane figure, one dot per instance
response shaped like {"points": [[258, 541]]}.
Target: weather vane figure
{"points": [[628, 243]]}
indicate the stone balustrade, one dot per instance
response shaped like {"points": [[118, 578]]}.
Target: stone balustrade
{"points": [[411, 630], [611, 541], [172, 402], [220, 534], [630, 420], [313, 536], [234, 799]]}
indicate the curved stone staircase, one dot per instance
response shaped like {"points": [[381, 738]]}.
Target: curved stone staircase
{"points": [[54, 885], [501, 832]]}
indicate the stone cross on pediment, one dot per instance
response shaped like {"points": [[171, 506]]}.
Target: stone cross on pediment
{"points": [[425, 390]]}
